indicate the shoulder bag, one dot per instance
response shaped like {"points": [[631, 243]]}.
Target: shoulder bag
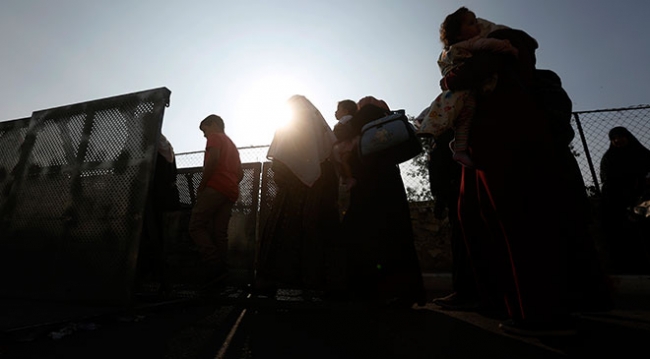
{"points": [[389, 140]]}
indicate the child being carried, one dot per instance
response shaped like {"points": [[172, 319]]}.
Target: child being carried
{"points": [[462, 34]]}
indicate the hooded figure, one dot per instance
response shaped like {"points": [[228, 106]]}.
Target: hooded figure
{"points": [[302, 225], [624, 168], [624, 171]]}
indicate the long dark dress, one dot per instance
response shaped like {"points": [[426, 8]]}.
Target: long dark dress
{"points": [[297, 239], [623, 171], [511, 199], [520, 206], [382, 261], [588, 285]]}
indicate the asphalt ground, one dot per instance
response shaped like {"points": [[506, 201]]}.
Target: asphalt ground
{"points": [[232, 323]]}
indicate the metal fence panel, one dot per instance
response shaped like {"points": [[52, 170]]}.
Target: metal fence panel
{"points": [[592, 140], [12, 136], [73, 212]]}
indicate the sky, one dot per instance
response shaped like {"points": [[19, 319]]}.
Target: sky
{"points": [[242, 59]]}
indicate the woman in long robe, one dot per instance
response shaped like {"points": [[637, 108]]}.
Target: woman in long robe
{"points": [[303, 224], [521, 205], [382, 261], [624, 171]]}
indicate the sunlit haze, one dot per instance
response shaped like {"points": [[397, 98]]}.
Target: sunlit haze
{"points": [[243, 59]]}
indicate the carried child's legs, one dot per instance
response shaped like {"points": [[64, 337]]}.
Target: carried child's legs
{"points": [[461, 132], [442, 114]]}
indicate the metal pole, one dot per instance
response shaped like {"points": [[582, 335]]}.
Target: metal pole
{"points": [[587, 154]]}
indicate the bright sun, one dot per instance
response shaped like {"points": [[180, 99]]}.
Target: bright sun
{"points": [[264, 104]]}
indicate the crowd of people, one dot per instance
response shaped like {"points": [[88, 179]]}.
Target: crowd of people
{"points": [[501, 169], [363, 250]]}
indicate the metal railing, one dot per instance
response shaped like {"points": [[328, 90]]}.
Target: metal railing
{"points": [[590, 143]]}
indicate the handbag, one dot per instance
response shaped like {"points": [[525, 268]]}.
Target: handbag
{"points": [[389, 140]]}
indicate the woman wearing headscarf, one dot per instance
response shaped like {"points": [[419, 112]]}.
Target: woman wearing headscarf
{"points": [[624, 171], [382, 263], [303, 222]]}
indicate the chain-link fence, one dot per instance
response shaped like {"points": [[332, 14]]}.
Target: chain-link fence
{"points": [[589, 145], [74, 183], [592, 140], [413, 171], [247, 154]]}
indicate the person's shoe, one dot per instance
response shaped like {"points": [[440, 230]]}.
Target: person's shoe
{"points": [[538, 329], [456, 302]]}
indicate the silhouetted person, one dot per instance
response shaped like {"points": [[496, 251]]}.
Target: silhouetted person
{"points": [[519, 203], [342, 151], [296, 245], [215, 197], [462, 34], [624, 173], [382, 261], [163, 197], [444, 179]]}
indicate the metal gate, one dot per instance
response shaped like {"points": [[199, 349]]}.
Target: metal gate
{"points": [[74, 182]]}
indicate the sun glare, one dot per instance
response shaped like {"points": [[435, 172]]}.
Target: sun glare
{"points": [[264, 105]]}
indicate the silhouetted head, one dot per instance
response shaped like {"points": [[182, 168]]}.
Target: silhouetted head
{"points": [[458, 26], [212, 124], [371, 100], [525, 44], [303, 110], [620, 137], [345, 108]]}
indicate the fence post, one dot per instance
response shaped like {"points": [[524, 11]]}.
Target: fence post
{"points": [[587, 154]]}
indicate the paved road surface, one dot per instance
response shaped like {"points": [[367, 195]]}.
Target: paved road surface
{"points": [[234, 324]]}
